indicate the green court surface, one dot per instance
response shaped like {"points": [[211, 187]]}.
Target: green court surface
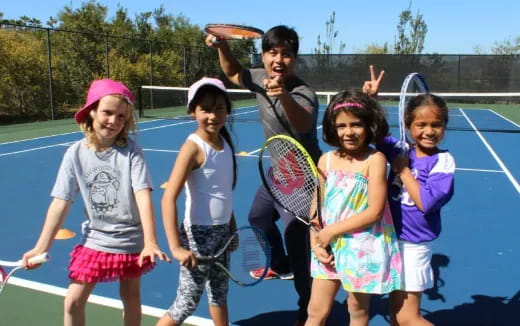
{"points": [[24, 306]]}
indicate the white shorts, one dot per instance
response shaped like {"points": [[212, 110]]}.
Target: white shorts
{"points": [[417, 269]]}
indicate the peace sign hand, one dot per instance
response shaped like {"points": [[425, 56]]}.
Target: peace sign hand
{"points": [[371, 87]]}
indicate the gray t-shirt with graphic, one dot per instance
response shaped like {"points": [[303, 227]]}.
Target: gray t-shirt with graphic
{"points": [[107, 182], [272, 114]]}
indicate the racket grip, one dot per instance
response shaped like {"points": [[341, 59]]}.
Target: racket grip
{"points": [[217, 40], [40, 259]]}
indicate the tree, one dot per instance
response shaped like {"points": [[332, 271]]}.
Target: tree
{"points": [[375, 48], [507, 47], [411, 32], [327, 46]]}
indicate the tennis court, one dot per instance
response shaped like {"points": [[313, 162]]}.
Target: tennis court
{"points": [[476, 258]]}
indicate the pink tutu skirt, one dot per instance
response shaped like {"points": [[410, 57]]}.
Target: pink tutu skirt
{"points": [[92, 266]]}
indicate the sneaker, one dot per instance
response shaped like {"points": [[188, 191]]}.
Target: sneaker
{"points": [[271, 274]]}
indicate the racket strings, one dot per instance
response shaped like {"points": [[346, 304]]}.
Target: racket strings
{"points": [[413, 85], [251, 253], [292, 177]]}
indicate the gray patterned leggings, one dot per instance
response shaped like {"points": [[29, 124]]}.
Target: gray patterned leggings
{"points": [[203, 240]]}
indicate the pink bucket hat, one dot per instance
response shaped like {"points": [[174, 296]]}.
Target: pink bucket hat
{"points": [[205, 81], [98, 89]]}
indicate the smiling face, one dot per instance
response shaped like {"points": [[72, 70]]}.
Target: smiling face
{"points": [[427, 128], [279, 61], [109, 118], [352, 132], [210, 112]]}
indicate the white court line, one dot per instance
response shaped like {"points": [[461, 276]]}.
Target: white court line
{"points": [[103, 301], [505, 118], [480, 170], [495, 156], [139, 122], [36, 149], [68, 143]]}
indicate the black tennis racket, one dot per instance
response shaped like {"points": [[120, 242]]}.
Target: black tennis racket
{"points": [[233, 32], [413, 85], [248, 249], [17, 265], [291, 177]]}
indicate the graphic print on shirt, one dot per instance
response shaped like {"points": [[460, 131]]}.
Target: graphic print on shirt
{"points": [[403, 195], [103, 183]]}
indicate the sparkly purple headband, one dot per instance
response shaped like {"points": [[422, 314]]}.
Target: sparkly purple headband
{"points": [[347, 105]]}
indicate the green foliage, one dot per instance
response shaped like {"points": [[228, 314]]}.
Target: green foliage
{"points": [[153, 48], [507, 47], [411, 32], [21, 52], [328, 45]]}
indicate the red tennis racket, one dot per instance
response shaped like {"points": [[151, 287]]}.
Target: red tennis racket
{"points": [[233, 32]]}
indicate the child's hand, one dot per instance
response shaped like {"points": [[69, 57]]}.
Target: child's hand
{"points": [[29, 254], [399, 163], [323, 255], [325, 237], [371, 87], [185, 257], [151, 251]]}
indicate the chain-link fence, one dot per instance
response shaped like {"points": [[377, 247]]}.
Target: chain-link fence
{"points": [[444, 73], [44, 72]]}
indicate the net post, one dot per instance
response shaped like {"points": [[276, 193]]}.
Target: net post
{"points": [[140, 102]]}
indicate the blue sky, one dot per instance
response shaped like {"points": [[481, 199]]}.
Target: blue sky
{"points": [[454, 26]]}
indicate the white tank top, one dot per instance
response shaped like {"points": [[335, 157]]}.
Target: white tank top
{"points": [[209, 189]]}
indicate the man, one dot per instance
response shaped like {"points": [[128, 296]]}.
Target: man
{"points": [[287, 105]]}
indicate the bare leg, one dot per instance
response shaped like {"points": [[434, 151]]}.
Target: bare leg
{"points": [[130, 292], [166, 320], [219, 315], [322, 298], [358, 308], [74, 303], [405, 309]]}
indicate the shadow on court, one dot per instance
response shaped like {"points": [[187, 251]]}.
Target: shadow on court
{"points": [[378, 306], [483, 311]]}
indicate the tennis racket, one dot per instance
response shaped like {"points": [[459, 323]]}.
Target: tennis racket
{"points": [[413, 85], [291, 177], [233, 32], [248, 249], [40, 259]]}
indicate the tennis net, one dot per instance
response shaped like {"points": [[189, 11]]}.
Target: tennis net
{"points": [[487, 112]]}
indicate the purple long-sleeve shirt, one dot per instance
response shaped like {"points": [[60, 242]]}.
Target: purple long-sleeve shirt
{"points": [[435, 176]]}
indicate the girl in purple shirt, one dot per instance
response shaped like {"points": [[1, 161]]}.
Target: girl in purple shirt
{"points": [[419, 184]]}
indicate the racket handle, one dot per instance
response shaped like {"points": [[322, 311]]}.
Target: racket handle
{"points": [[217, 39], [40, 259]]}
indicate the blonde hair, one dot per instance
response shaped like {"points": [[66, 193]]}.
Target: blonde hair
{"points": [[122, 138]]}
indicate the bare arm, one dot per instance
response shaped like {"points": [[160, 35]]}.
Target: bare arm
{"points": [[185, 163], [376, 203], [229, 64], [56, 213], [146, 212]]}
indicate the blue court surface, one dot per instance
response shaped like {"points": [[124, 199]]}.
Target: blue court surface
{"points": [[476, 258]]}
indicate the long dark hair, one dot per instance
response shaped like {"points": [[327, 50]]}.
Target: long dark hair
{"points": [[362, 106], [214, 92]]}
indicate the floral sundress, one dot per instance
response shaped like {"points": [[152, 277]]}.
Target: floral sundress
{"points": [[366, 261]]}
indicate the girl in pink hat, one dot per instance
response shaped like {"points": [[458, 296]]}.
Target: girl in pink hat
{"points": [[109, 171], [202, 169]]}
